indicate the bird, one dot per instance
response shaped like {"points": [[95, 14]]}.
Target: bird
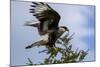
{"points": [[47, 24], [49, 39]]}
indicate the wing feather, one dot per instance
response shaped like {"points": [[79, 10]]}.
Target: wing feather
{"points": [[45, 14]]}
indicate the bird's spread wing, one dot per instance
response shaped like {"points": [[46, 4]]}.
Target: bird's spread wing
{"points": [[32, 45], [41, 42], [38, 43], [48, 17]]}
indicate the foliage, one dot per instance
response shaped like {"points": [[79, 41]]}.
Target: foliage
{"points": [[63, 48]]}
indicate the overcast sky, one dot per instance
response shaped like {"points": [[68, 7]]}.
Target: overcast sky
{"points": [[78, 18]]}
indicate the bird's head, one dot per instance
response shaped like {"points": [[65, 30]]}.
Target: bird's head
{"points": [[63, 29]]}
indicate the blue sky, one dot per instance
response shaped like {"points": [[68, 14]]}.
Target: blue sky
{"points": [[78, 18]]}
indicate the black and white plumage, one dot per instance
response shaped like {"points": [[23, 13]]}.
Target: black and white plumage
{"points": [[48, 18], [49, 39], [48, 25]]}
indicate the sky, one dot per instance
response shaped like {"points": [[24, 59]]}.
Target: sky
{"points": [[80, 19]]}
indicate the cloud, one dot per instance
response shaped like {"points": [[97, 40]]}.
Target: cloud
{"points": [[76, 19]]}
